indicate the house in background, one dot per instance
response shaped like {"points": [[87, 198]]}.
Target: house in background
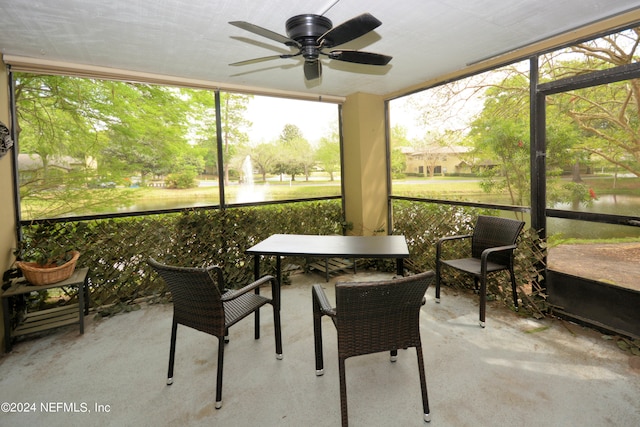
{"points": [[32, 167], [437, 160]]}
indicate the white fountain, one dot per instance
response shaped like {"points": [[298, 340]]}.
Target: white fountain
{"points": [[248, 191]]}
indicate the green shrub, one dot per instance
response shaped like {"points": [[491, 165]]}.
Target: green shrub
{"points": [[185, 179], [116, 250]]}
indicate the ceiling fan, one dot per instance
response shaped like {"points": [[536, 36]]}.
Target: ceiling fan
{"points": [[310, 34]]}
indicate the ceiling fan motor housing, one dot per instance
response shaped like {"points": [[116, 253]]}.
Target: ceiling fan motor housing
{"points": [[305, 29]]}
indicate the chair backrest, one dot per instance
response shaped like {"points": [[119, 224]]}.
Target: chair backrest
{"points": [[196, 298], [493, 231], [380, 316]]}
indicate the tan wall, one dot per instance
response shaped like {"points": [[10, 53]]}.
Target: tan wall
{"points": [[365, 177], [8, 222]]}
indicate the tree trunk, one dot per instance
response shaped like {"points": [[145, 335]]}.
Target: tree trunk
{"points": [[575, 173]]}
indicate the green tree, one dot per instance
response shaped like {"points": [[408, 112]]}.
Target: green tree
{"points": [[233, 107], [62, 120], [149, 132], [297, 156], [115, 130], [290, 133], [399, 137], [500, 137], [264, 157], [202, 130], [328, 154], [398, 163], [505, 145], [58, 116]]}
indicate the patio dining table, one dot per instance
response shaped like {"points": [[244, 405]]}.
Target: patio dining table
{"points": [[279, 245]]}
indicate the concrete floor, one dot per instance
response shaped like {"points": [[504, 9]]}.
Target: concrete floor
{"points": [[515, 372]]}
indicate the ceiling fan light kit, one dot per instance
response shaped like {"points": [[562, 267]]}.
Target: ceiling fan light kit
{"points": [[310, 34]]}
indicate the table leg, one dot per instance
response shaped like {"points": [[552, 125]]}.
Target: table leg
{"points": [[279, 277], [7, 325], [279, 269], [87, 301], [81, 307], [256, 317], [256, 267], [400, 266]]}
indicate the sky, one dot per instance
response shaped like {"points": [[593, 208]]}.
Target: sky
{"points": [[270, 115], [315, 119]]}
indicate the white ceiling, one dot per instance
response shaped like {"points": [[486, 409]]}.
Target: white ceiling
{"points": [[192, 38]]}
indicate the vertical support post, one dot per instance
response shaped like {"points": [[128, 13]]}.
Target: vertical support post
{"points": [[219, 149], [387, 142], [14, 154], [538, 153], [364, 154]]}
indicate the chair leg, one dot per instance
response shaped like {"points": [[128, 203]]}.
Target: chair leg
{"points": [[219, 376], [257, 324], [483, 299], [438, 268], [278, 332], [513, 288], [172, 352], [317, 337], [423, 384], [343, 392]]}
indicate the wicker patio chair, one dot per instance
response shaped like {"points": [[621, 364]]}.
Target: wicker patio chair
{"points": [[201, 302], [372, 317], [492, 244]]}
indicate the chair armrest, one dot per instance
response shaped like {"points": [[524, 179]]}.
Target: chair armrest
{"points": [[444, 239], [320, 298], [235, 293], [489, 251], [485, 255]]}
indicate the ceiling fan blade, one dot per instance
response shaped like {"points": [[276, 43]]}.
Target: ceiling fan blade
{"points": [[256, 60], [265, 33], [360, 57], [349, 30], [312, 69], [265, 58]]}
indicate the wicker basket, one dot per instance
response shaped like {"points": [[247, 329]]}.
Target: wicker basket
{"points": [[43, 275]]}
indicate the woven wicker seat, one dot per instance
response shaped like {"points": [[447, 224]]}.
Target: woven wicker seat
{"points": [[372, 317], [492, 244], [200, 302]]}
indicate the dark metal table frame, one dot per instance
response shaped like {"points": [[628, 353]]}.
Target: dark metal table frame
{"points": [[51, 318], [280, 245]]}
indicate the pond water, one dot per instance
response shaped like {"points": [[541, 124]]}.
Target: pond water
{"points": [[609, 204]]}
